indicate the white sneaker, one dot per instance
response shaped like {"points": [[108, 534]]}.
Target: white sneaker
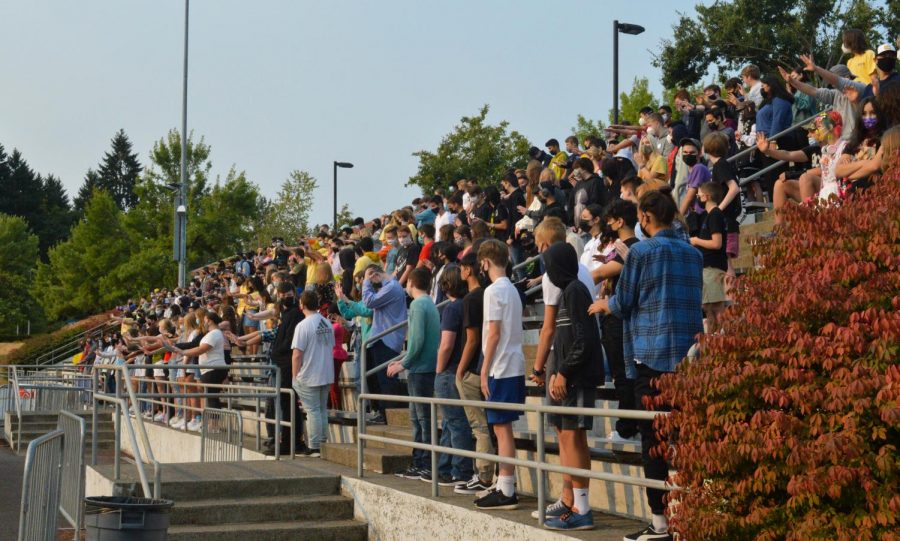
{"points": [[194, 425], [159, 417], [180, 424], [174, 420], [147, 414], [614, 437]]}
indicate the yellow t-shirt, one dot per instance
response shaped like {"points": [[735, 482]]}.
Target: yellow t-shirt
{"points": [[558, 164], [862, 66], [658, 167]]}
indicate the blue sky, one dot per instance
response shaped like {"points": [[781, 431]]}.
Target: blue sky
{"points": [[282, 85]]}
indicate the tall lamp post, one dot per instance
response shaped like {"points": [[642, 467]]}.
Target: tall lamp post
{"points": [[625, 28], [345, 165], [180, 233]]}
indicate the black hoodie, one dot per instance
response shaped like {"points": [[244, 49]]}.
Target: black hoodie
{"points": [[579, 356]]}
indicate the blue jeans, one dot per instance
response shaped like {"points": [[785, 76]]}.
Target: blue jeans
{"points": [[420, 416], [455, 430], [315, 403], [516, 256]]}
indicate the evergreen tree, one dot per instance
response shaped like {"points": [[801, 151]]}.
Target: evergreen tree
{"points": [[19, 253], [20, 189], [91, 181], [56, 216], [119, 172]]}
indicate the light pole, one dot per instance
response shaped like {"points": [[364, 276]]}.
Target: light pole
{"points": [[345, 165], [180, 233], [625, 28]]}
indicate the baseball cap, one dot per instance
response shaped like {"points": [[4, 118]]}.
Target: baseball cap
{"points": [[885, 48], [841, 70]]}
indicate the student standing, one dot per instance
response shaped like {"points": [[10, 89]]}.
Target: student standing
{"points": [[503, 369], [711, 242]]}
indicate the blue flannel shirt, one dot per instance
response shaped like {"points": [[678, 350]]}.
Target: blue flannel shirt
{"points": [[659, 298]]}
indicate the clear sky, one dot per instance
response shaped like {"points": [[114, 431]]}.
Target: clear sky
{"points": [[295, 84]]}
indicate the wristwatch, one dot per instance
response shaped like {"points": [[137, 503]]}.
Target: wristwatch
{"points": [[537, 373]]}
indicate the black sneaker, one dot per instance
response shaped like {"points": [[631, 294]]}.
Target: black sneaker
{"points": [[378, 419], [411, 472], [472, 486], [443, 480], [648, 534], [496, 500], [310, 452]]}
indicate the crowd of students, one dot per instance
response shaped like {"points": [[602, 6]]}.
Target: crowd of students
{"points": [[636, 235]]}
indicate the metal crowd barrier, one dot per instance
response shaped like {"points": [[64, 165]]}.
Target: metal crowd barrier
{"points": [[41, 488], [221, 436], [72, 491], [540, 464]]}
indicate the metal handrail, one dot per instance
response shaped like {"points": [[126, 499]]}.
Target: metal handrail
{"points": [[526, 262], [540, 464], [786, 131], [74, 341]]}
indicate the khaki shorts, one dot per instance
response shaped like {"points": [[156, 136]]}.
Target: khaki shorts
{"points": [[713, 285]]}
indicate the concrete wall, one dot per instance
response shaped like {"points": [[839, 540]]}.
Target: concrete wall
{"points": [[393, 515], [176, 446]]}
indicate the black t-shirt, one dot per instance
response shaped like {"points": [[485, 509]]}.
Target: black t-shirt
{"points": [[618, 259], [811, 152], [452, 321], [496, 216], [515, 200], [407, 256], [473, 316], [722, 172], [713, 222]]}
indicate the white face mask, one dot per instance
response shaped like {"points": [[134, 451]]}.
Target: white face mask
{"points": [[669, 139], [641, 121], [665, 117], [651, 131], [845, 49]]}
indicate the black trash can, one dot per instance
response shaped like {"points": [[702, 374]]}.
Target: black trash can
{"points": [[116, 518]]}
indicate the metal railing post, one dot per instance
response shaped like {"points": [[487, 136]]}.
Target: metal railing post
{"points": [[293, 409], [278, 415], [361, 411], [434, 457], [541, 497], [117, 465], [94, 416]]}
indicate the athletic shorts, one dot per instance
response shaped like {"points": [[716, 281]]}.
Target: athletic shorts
{"points": [[732, 244], [577, 396], [511, 390]]}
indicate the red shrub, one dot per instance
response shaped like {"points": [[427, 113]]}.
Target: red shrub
{"points": [[787, 426]]}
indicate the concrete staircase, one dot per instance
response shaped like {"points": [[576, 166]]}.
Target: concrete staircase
{"points": [[259, 500], [750, 232], [38, 423], [377, 457]]}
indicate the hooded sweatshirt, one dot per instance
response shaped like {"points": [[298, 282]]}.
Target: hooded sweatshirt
{"points": [[579, 356]]}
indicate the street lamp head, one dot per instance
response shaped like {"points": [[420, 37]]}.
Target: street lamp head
{"points": [[173, 186], [181, 209], [633, 29], [345, 165]]}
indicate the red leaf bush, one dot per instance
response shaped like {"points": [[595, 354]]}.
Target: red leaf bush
{"points": [[786, 427]]}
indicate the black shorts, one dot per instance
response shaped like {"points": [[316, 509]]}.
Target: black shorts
{"points": [[214, 377], [577, 396]]}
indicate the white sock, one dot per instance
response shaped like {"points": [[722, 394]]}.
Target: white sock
{"points": [[507, 485], [660, 523], [582, 504]]}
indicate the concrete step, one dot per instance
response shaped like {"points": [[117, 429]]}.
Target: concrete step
{"points": [[387, 431], [205, 489], [378, 460], [397, 417], [261, 509], [338, 530]]}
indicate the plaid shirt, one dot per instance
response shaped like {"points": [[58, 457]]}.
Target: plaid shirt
{"points": [[659, 298]]}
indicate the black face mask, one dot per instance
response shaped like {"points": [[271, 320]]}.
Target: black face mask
{"points": [[765, 94], [584, 225], [288, 302], [712, 126], [886, 64], [689, 160]]}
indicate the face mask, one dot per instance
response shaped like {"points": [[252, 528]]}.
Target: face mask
{"points": [[646, 150], [288, 302], [459, 242], [651, 131], [712, 126], [392, 242], [669, 139], [405, 241], [641, 121], [765, 95], [665, 117], [886, 64], [845, 49], [689, 160], [870, 122], [584, 225], [812, 141]]}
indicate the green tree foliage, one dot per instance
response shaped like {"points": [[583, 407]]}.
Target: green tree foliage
{"points": [[19, 254], [585, 126], [91, 181], [118, 174], [630, 103], [344, 216], [290, 210], [768, 33], [41, 201], [222, 223], [78, 278], [473, 150]]}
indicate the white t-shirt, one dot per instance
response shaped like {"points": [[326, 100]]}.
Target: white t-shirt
{"points": [[314, 336], [591, 248], [441, 220], [553, 294], [502, 303], [215, 356]]}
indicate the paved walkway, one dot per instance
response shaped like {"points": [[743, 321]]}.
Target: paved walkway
{"points": [[11, 468]]}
